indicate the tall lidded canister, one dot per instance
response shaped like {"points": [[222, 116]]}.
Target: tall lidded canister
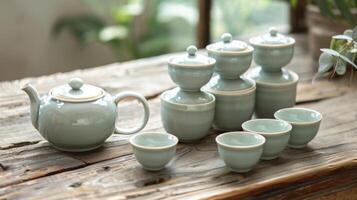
{"points": [[276, 86], [186, 111], [235, 95]]}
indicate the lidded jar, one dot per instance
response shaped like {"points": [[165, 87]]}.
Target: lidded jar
{"points": [[272, 51], [276, 86], [235, 95], [186, 111]]}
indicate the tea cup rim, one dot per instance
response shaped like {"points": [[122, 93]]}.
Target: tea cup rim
{"points": [[307, 122], [267, 133], [211, 62], [254, 43], [240, 146], [132, 141]]}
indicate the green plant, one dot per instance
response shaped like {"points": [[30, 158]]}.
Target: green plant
{"points": [[341, 54], [334, 9], [135, 29]]}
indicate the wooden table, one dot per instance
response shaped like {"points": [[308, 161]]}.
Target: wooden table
{"points": [[31, 169]]}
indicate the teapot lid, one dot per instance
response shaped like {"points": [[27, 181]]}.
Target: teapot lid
{"points": [[192, 58], [76, 91], [227, 44], [272, 38]]}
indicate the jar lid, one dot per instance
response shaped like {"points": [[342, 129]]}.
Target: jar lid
{"points": [[76, 91], [234, 86], [272, 38], [227, 44], [178, 96], [284, 77], [192, 58]]}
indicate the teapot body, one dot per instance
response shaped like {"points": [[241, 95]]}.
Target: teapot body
{"points": [[75, 127]]}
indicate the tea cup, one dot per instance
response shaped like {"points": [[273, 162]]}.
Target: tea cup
{"points": [[153, 150], [305, 125], [240, 150], [276, 133]]}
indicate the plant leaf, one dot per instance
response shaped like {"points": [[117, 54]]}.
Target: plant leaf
{"points": [[347, 60], [345, 11], [354, 34], [331, 52], [326, 62], [354, 50], [340, 67], [348, 32], [342, 37]]}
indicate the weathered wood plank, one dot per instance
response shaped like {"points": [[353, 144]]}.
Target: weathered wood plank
{"points": [[197, 172], [33, 161]]}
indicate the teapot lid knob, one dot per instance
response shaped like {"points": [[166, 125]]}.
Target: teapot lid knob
{"points": [[273, 31], [191, 50], [226, 37], [76, 83]]}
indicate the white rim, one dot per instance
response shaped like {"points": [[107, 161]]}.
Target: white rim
{"points": [[192, 107], [211, 62], [298, 123], [267, 133], [252, 42], [248, 50], [235, 92], [240, 133], [132, 141]]}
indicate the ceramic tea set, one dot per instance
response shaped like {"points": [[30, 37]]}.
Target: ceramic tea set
{"points": [[212, 91]]}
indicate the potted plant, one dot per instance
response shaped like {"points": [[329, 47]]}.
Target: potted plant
{"points": [[340, 56], [326, 18]]}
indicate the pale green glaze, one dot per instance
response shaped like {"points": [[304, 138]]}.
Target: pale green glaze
{"points": [[234, 102], [79, 126], [233, 57], [187, 115], [239, 150], [305, 123], [191, 71], [153, 150], [235, 95], [274, 91], [272, 51], [187, 112], [275, 132]]}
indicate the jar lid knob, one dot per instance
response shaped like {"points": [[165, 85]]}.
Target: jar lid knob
{"points": [[191, 50], [226, 37], [273, 32], [76, 83]]}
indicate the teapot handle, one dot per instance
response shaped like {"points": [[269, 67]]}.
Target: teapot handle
{"points": [[145, 104]]}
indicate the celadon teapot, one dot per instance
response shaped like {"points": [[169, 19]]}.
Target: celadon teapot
{"points": [[79, 117]]}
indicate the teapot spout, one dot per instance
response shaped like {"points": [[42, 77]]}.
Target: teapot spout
{"points": [[35, 103]]}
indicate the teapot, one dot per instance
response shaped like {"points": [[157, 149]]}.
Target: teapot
{"points": [[78, 117]]}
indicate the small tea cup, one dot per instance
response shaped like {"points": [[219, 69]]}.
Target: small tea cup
{"points": [[153, 150], [240, 150], [305, 125], [276, 133]]}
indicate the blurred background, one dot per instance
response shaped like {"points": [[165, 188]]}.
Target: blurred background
{"points": [[43, 37]]}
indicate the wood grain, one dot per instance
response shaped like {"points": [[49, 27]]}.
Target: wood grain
{"points": [[197, 171]]}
